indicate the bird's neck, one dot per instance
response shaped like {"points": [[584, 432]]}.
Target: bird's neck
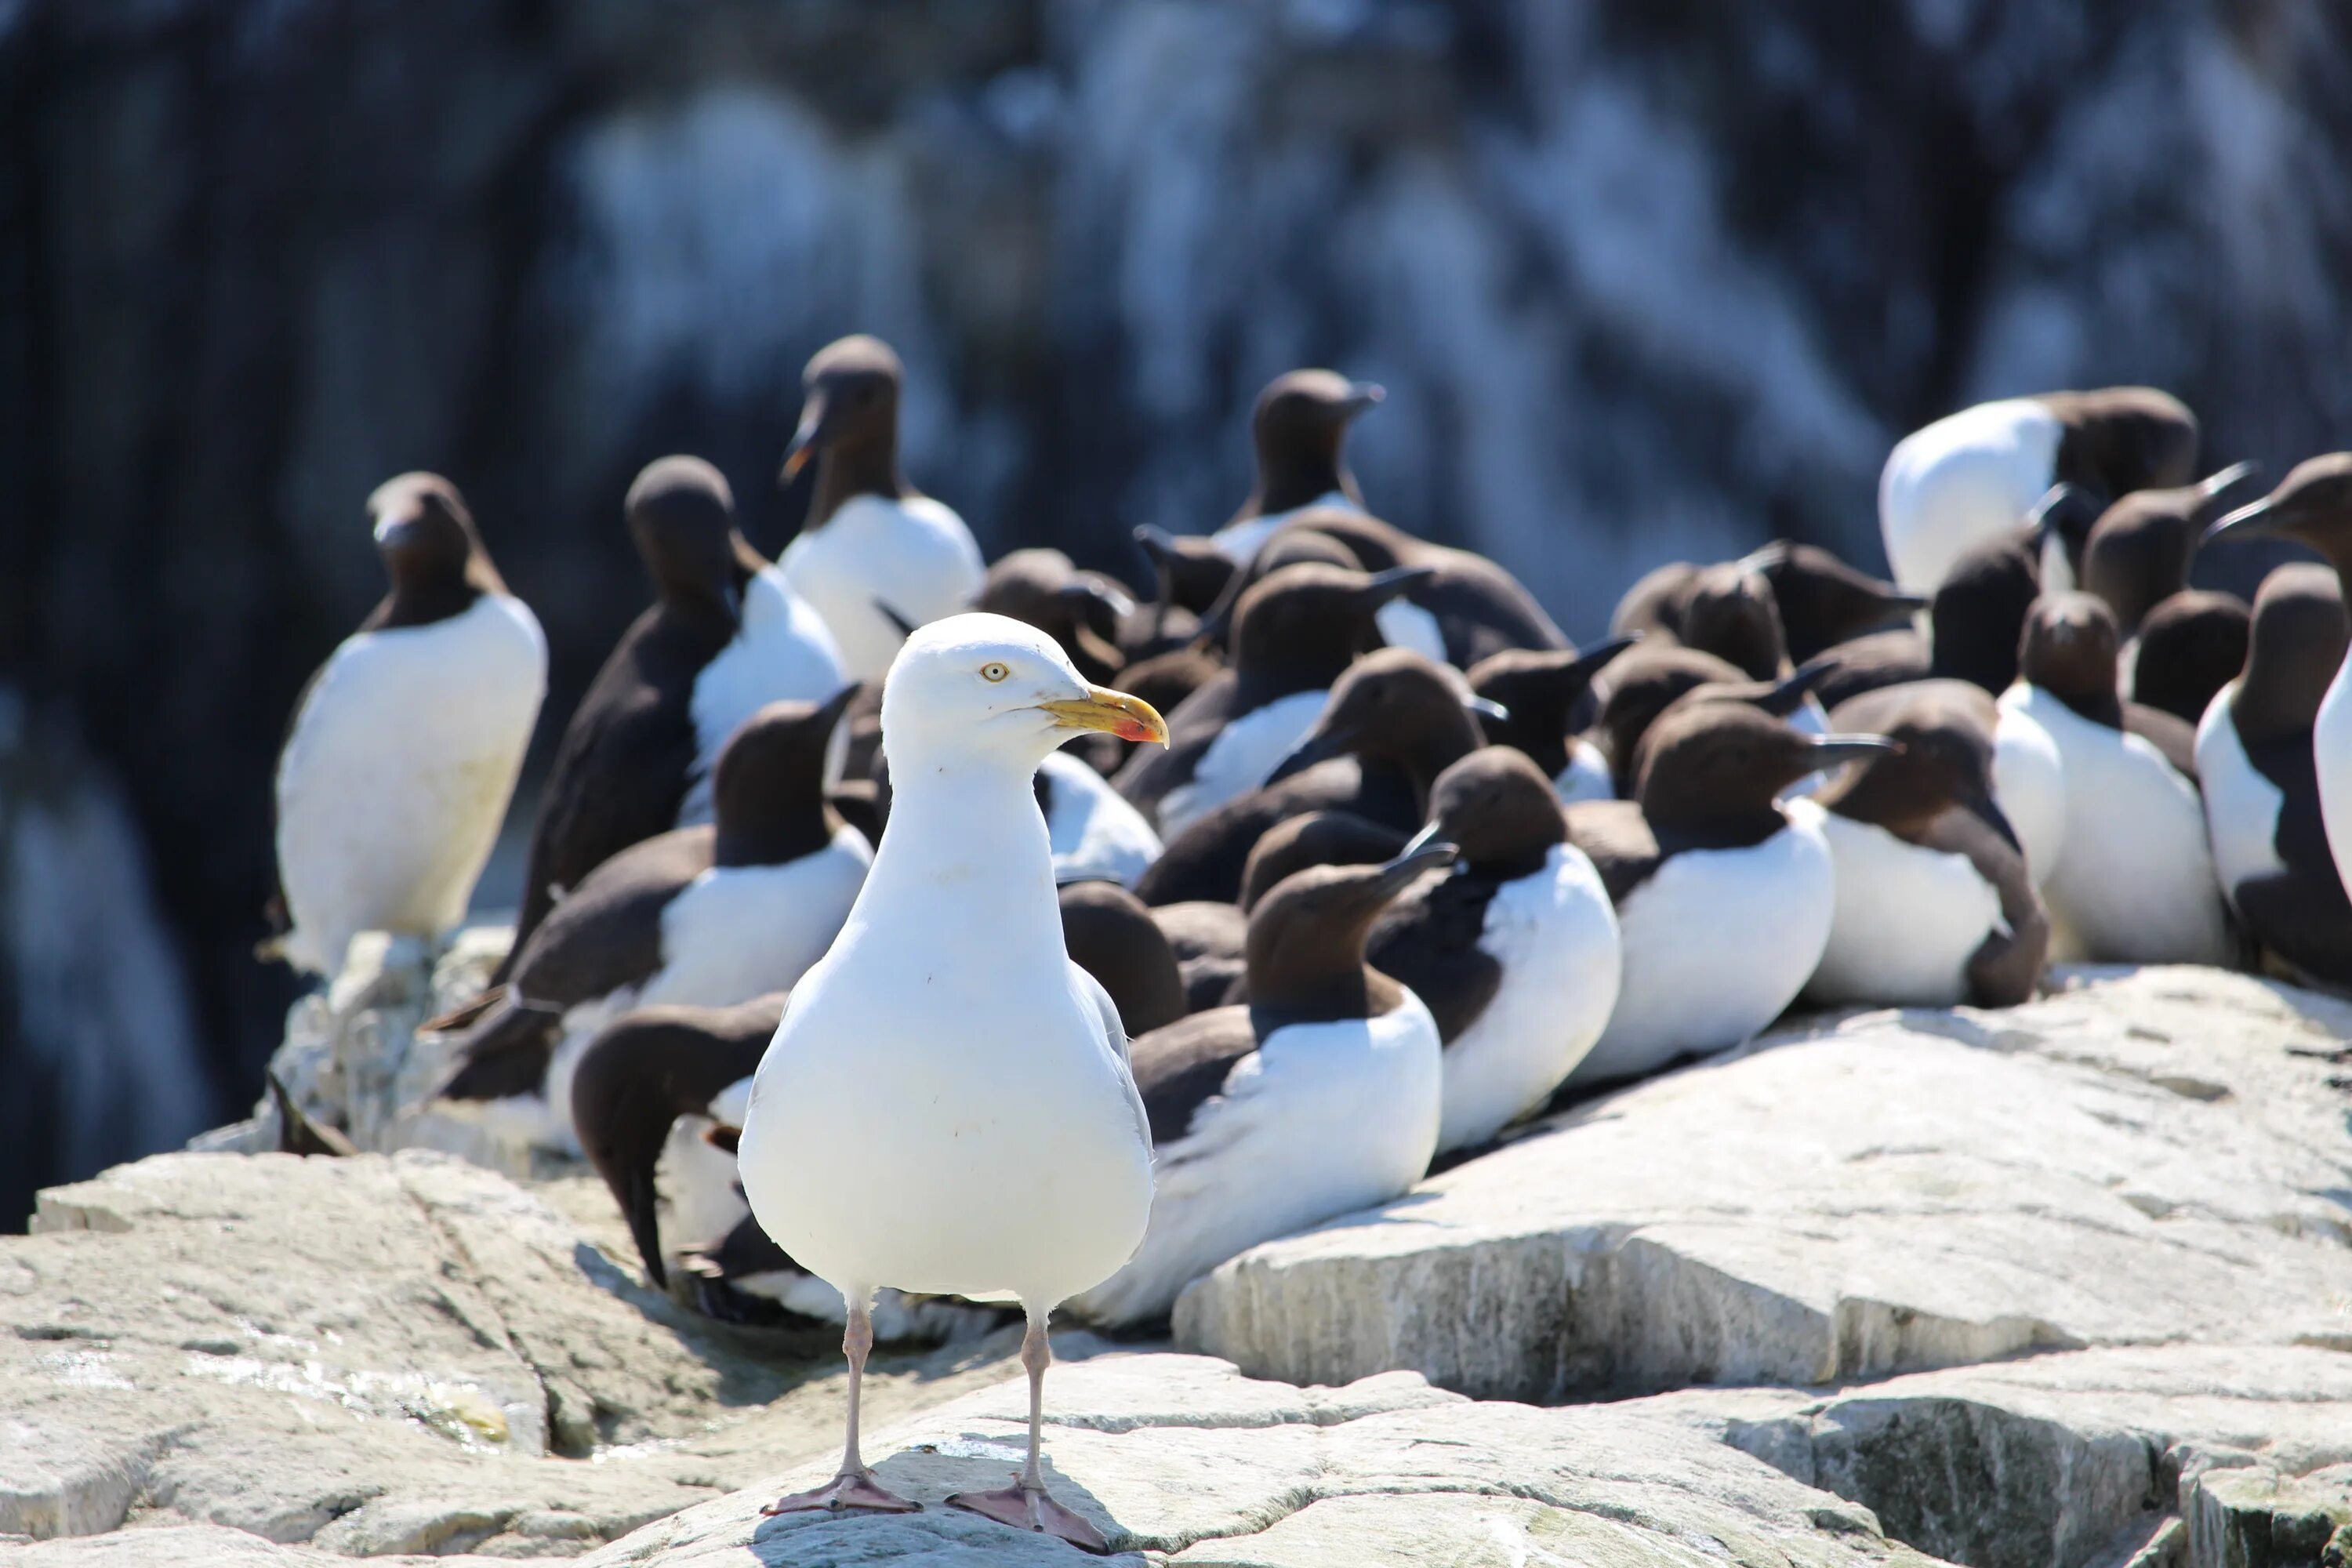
{"points": [[1288, 481], [967, 834], [850, 470]]}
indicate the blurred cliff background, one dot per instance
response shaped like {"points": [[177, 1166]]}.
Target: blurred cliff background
{"points": [[1643, 281]]}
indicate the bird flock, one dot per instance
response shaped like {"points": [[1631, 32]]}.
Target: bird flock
{"points": [[904, 937]]}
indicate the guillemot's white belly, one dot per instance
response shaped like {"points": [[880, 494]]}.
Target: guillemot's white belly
{"points": [[1555, 935], [397, 773], [1716, 944], [1906, 921], [1587, 775], [1239, 759], [2242, 807], [1968, 477], [1321, 1119], [781, 652], [913, 555], [739, 932], [1240, 540], [2331, 750], [2135, 882], [1094, 830], [2029, 783]]}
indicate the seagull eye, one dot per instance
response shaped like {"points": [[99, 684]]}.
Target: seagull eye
{"points": [[993, 672]]}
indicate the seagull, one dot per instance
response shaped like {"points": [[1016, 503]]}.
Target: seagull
{"points": [[965, 1081]]}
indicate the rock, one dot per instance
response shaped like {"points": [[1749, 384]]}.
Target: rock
{"points": [[2051, 1459], [352, 1058], [2145, 1157], [1183, 1455], [380, 1355], [207, 1546]]}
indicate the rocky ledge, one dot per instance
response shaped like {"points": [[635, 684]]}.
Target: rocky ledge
{"points": [[2069, 1286]]}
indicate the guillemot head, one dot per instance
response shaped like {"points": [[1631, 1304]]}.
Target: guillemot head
{"points": [[849, 403], [1723, 763], [681, 514], [2069, 650], [1299, 428], [426, 539], [2138, 553], [978, 687], [1497, 808], [1396, 705], [2299, 639], [2312, 506], [1730, 612]]}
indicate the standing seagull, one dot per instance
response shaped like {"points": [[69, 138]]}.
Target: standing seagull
{"points": [[965, 1081], [874, 553], [725, 636], [404, 749]]}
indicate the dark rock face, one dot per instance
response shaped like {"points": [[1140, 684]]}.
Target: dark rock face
{"points": [[1642, 283]]}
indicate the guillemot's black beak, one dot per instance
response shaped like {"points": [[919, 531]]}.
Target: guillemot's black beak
{"points": [[1486, 707], [1829, 751], [1425, 853], [807, 439], [2255, 519]]}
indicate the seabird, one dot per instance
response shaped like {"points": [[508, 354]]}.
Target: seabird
{"points": [[948, 1052], [707, 915], [874, 553], [1083, 611], [1550, 699], [725, 636], [1724, 895], [1112, 936], [1634, 691], [1391, 723], [1329, 837], [2313, 506], [1936, 907], [1515, 951], [2255, 761], [2136, 558], [2134, 882], [1293, 635], [1299, 431], [1975, 475], [404, 747], [2190, 646], [1321, 1096], [1189, 576], [1820, 600]]}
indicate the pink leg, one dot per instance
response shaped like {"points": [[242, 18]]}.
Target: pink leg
{"points": [[1026, 1505], [854, 1487]]}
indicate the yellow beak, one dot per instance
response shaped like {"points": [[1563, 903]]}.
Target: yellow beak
{"points": [[1128, 718]]}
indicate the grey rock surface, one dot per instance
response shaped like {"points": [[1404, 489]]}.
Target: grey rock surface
{"points": [[2068, 1459], [1182, 1459], [380, 1355], [2069, 1285], [2148, 1156]]}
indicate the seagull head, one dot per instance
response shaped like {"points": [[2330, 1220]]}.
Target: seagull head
{"points": [[983, 690]]}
